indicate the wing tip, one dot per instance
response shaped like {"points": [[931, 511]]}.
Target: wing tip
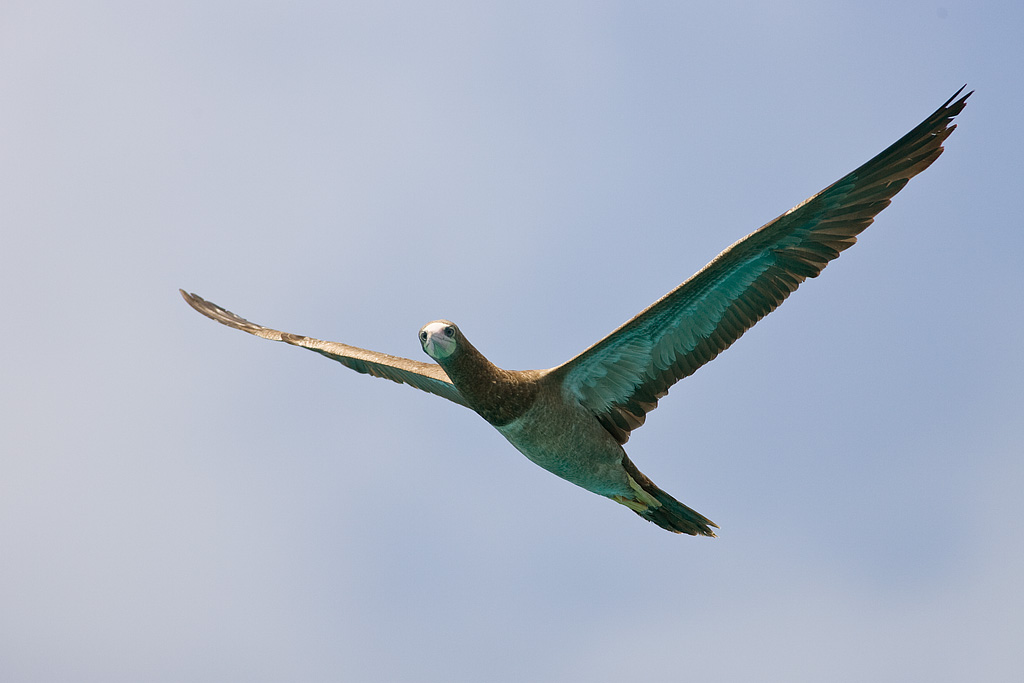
{"points": [[201, 305], [961, 102], [194, 300], [951, 108], [225, 317]]}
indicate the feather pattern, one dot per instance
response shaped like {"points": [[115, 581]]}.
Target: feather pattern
{"points": [[622, 377]]}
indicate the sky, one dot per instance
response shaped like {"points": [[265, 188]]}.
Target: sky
{"points": [[183, 502]]}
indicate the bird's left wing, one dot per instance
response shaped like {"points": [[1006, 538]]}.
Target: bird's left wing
{"points": [[622, 377], [427, 377]]}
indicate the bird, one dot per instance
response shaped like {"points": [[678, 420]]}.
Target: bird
{"points": [[574, 419]]}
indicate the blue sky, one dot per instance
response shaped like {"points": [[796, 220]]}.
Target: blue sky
{"points": [[183, 502]]}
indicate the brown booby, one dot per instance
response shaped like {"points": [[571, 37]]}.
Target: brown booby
{"points": [[573, 419]]}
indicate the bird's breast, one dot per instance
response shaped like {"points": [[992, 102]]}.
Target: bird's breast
{"points": [[567, 440]]}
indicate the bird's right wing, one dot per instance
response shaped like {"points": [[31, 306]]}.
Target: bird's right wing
{"points": [[428, 377], [622, 377]]}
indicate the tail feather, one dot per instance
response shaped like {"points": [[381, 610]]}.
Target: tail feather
{"points": [[658, 507], [676, 517]]}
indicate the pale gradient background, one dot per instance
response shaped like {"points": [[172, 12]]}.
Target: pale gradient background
{"points": [[183, 502]]}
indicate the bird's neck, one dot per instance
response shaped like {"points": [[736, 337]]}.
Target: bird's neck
{"points": [[498, 395]]}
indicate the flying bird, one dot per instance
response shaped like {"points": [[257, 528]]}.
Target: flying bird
{"points": [[573, 419]]}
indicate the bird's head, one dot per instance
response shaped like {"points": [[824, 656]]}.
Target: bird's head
{"points": [[440, 339]]}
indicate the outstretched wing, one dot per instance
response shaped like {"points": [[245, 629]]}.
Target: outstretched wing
{"points": [[428, 377], [622, 377]]}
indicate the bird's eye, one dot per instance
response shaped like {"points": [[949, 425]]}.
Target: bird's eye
{"points": [[423, 335], [449, 331]]}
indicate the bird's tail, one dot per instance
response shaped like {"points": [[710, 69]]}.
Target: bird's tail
{"points": [[654, 505]]}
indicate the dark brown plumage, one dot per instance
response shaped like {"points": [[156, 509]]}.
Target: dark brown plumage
{"points": [[573, 419]]}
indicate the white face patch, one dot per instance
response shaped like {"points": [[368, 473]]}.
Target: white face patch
{"points": [[438, 339]]}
